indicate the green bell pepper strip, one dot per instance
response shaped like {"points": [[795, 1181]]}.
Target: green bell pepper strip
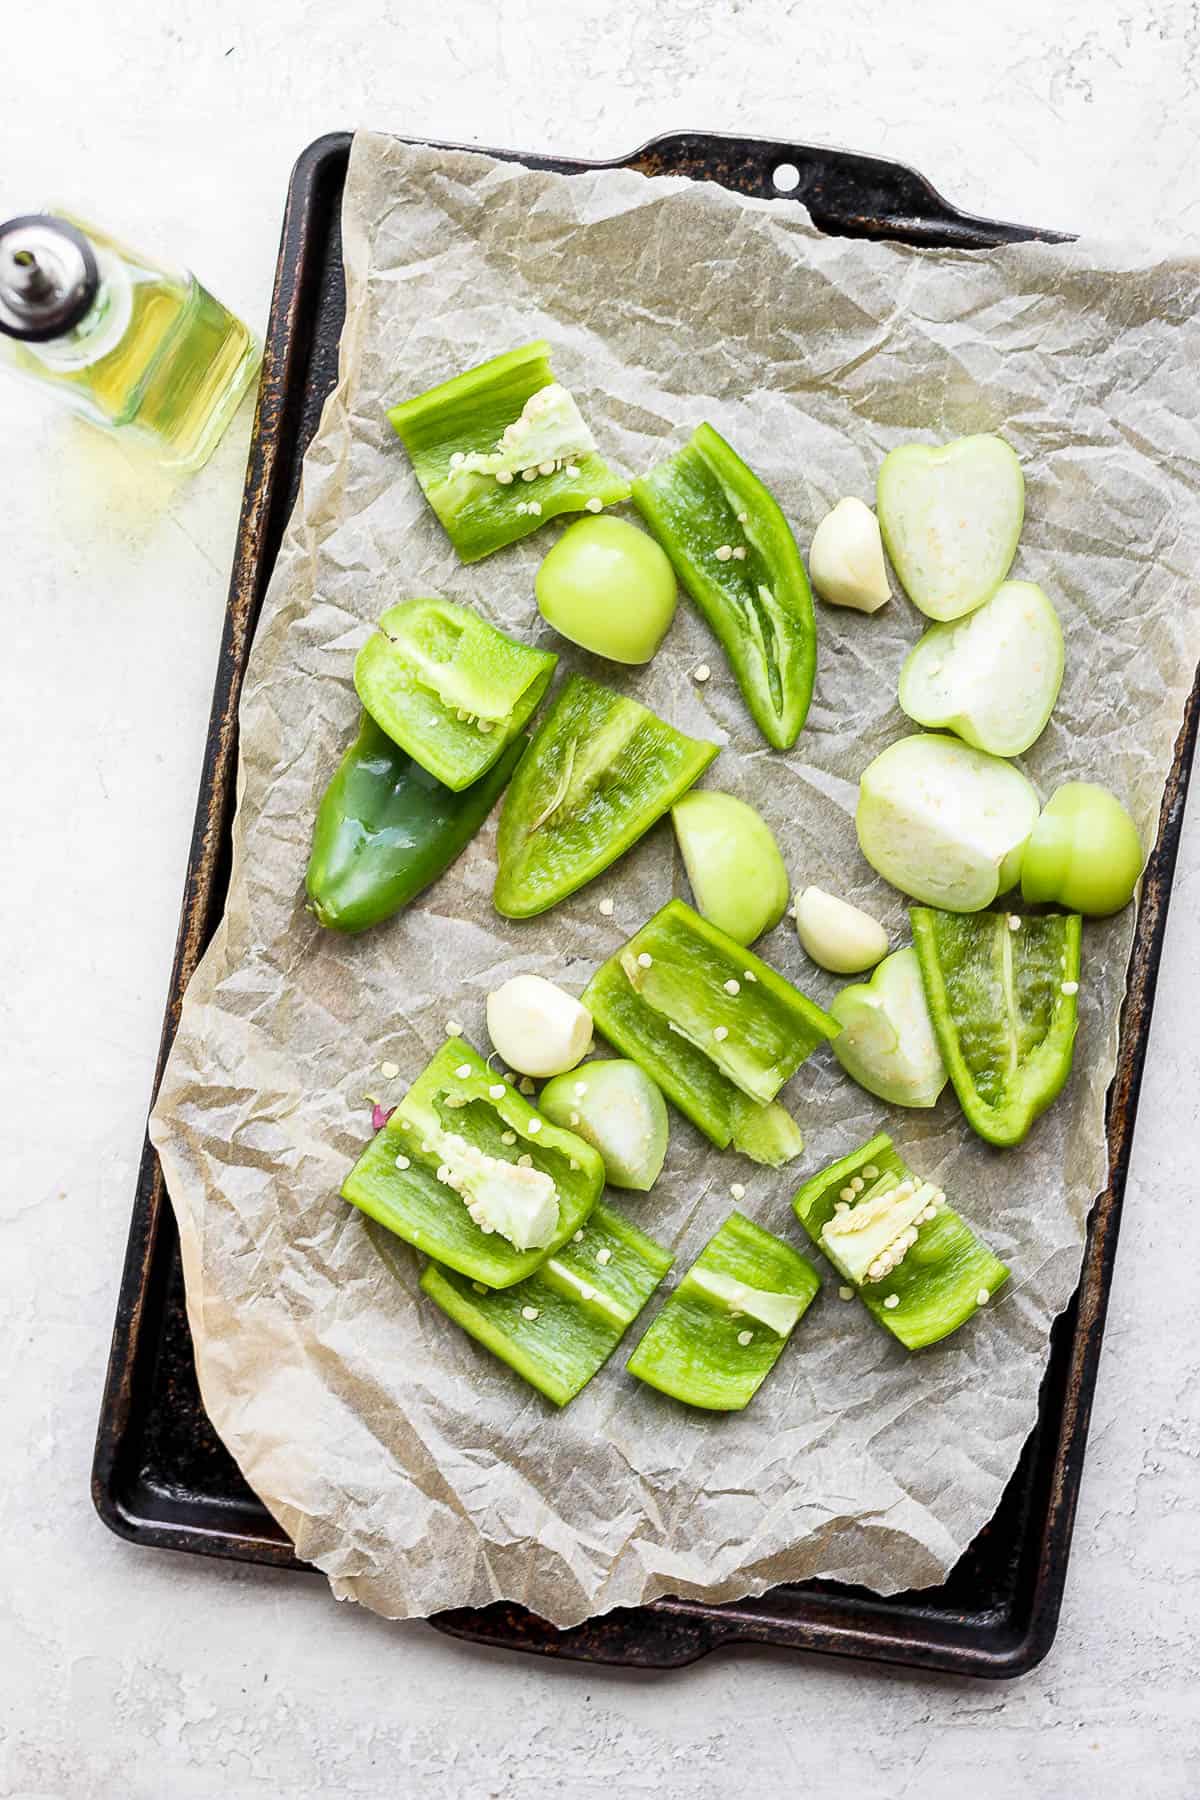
{"points": [[734, 552], [386, 829], [1001, 991], [600, 771], [474, 439], [944, 1277], [717, 1028], [722, 1330], [560, 1325], [448, 687], [395, 1180]]}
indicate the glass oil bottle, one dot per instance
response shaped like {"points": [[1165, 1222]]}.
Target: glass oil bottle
{"points": [[132, 345]]}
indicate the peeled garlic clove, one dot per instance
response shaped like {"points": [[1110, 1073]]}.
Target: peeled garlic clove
{"points": [[838, 936], [537, 1028], [845, 564]]}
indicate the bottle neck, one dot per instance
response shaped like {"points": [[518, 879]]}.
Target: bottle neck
{"points": [[102, 327]]}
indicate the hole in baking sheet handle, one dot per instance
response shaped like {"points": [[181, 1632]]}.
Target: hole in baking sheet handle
{"points": [[785, 178]]}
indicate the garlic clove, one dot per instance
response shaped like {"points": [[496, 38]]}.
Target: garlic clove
{"points": [[838, 936], [536, 1027], [846, 563]]}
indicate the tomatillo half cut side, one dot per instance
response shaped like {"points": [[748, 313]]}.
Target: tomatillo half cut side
{"points": [[887, 1042], [616, 1108], [993, 677], [1084, 853], [609, 588], [944, 823], [733, 862], [951, 516]]}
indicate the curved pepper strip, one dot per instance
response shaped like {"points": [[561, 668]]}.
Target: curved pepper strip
{"points": [[1002, 994], [717, 1028], [601, 770], [734, 552], [722, 1330], [386, 829]]}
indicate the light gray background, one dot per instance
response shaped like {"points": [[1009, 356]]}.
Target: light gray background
{"points": [[138, 1675]]}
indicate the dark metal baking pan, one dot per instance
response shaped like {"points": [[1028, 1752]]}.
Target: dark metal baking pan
{"points": [[162, 1476]]}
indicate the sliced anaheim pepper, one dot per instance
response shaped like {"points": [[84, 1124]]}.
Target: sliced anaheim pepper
{"points": [[1001, 990], [502, 449], [916, 1266], [448, 687], [562, 1323], [600, 771], [386, 828], [734, 552], [468, 1172], [717, 1028], [721, 1332]]}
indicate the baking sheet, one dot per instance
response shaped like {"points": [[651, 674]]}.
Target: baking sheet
{"points": [[400, 1458]]}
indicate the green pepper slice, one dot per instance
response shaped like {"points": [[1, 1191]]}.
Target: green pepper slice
{"points": [[941, 1278], [560, 1325], [600, 771], [734, 552], [386, 829], [717, 1028], [501, 449], [448, 687], [721, 1332], [1001, 991], [400, 1179]]}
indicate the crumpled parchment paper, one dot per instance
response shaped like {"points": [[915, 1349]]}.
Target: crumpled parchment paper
{"points": [[404, 1461]]}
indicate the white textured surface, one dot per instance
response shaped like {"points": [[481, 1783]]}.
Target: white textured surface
{"points": [[131, 1675]]}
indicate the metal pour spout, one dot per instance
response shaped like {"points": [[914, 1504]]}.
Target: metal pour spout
{"points": [[48, 277]]}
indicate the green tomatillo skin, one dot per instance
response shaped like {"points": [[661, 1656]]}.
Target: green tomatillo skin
{"points": [[609, 588], [473, 439], [617, 1109], [559, 1326], [944, 1277], [448, 687], [734, 552], [600, 771], [1084, 852], [407, 1196], [738, 875], [1003, 1000], [386, 829], [717, 1028], [723, 1329]]}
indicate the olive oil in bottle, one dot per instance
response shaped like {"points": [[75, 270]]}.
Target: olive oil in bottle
{"points": [[130, 344]]}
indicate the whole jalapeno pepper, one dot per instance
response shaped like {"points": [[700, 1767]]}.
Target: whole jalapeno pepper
{"points": [[386, 828]]}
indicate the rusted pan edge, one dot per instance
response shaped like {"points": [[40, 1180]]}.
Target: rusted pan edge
{"points": [[282, 353]]}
